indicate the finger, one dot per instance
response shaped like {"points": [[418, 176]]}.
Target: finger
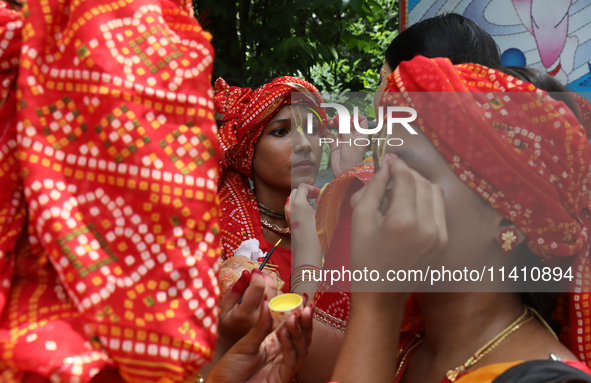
{"points": [[313, 192], [425, 215], [302, 192], [368, 199], [306, 322], [270, 286], [361, 122], [325, 133], [334, 122], [403, 206], [232, 298], [301, 204], [253, 295], [250, 343], [306, 192], [293, 325], [265, 322], [290, 358], [297, 336], [289, 206], [291, 199], [305, 298], [424, 200], [357, 196], [439, 214]]}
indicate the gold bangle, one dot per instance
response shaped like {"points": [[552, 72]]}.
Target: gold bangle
{"points": [[301, 283], [297, 277]]}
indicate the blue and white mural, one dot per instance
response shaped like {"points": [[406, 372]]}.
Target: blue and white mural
{"points": [[550, 35]]}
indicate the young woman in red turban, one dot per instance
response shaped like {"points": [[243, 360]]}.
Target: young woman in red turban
{"points": [[498, 174], [261, 144]]}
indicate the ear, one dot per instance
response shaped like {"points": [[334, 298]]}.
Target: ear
{"points": [[509, 236]]}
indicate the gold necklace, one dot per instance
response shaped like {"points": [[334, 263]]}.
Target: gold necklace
{"points": [[275, 228], [544, 323], [523, 319], [406, 354]]}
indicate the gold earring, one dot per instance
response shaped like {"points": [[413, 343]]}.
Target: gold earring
{"points": [[508, 237]]}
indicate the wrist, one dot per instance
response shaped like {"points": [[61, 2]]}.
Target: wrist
{"points": [[304, 278], [307, 253]]}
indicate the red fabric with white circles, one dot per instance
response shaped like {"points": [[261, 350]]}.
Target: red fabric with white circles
{"points": [[108, 151]]}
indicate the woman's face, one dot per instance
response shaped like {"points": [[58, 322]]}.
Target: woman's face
{"points": [[385, 71], [472, 224], [285, 155]]}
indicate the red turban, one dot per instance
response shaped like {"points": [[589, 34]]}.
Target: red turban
{"points": [[243, 115]]}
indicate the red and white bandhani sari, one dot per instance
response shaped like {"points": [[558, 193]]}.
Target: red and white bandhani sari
{"points": [[109, 218]]}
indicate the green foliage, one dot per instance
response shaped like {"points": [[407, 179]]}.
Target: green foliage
{"points": [[337, 45]]}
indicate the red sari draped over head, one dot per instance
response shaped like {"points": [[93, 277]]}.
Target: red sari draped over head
{"points": [[526, 154], [109, 220], [243, 115]]}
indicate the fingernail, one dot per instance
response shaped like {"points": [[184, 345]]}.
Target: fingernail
{"points": [[256, 271], [387, 157], [242, 283], [286, 202], [245, 275]]}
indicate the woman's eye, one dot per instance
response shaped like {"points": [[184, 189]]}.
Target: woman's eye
{"points": [[279, 132]]}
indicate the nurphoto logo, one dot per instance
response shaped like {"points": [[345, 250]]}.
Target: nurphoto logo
{"points": [[393, 116]]}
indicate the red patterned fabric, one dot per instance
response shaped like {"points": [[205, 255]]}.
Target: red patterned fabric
{"points": [[584, 110], [335, 196], [333, 219], [542, 160], [109, 220], [243, 115]]}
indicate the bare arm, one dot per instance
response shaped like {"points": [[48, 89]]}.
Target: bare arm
{"points": [[370, 348], [323, 354]]}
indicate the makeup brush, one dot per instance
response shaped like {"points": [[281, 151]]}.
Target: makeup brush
{"points": [[262, 266], [268, 256]]}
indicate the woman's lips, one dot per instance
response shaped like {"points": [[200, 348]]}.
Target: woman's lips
{"points": [[303, 165]]}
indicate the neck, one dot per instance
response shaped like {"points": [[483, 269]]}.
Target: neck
{"points": [[273, 198], [463, 322]]}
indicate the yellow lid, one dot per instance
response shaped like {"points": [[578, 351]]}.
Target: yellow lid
{"points": [[285, 302]]}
